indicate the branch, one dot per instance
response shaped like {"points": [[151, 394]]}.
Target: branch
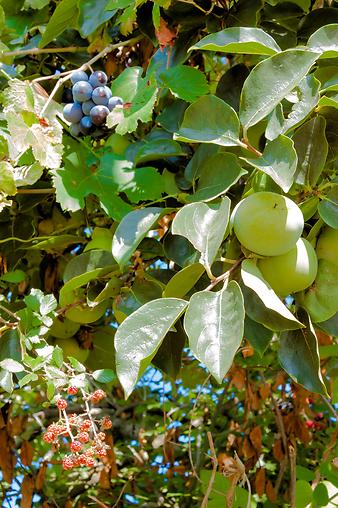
{"points": [[224, 275], [39, 51], [292, 458], [213, 472]]}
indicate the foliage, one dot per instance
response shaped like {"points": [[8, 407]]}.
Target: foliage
{"points": [[122, 246]]}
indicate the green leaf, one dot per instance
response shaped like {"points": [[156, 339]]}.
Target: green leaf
{"points": [[215, 176], [330, 102], [330, 326], [325, 41], [102, 239], [258, 336], [35, 4], [57, 243], [158, 149], [254, 280], [183, 281], [104, 375], [321, 300], [204, 226], [299, 356], [50, 390], [252, 41], [28, 378], [209, 120], [6, 381], [321, 495], [131, 231], [64, 16], [7, 183], [270, 81], [83, 175], [143, 184], [92, 14], [214, 323], [303, 494], [140, 335], [328, 208], [13, 277], [11, 365], [57, 356], [156, 16], [306, 100], [141, 93], [312, 149], [87, 262], [169, 355], [185, 82], [279, 161], [117, 4], [27, 175], [40, 302]]}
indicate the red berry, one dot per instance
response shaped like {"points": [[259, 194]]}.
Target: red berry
{"points": [[72, 390], [83, 459], [67, 463], [106, 423], [76, 446], [101, 436], [310, 424], [61, 404], [97, 396], [101, 453], [83, 437], [90, 462], [49, 437], [85, 425]]}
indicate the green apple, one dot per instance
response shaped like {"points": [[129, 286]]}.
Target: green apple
{"points": [[70, 347], [63, 328], [327, 245], [267, 223], [291, 272]]}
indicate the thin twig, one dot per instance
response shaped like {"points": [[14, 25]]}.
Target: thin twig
{"points": [[213, 472], [292, 458], [121, 494], [99, 503], [35, 191], [224, 276], [38, 51], [330, 406]]}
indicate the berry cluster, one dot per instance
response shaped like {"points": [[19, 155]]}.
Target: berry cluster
{"points": [[92, 102], [84, 436]]}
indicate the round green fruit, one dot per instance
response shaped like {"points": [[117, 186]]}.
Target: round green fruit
{"points": [[63, 328], [327, 245], [70, 347], [267, 223], [81, 313], [291, 272]]}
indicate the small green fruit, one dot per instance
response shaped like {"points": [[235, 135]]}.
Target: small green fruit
{"points": [[291, 272], [267, 223], [70, 347], [63, 328]]}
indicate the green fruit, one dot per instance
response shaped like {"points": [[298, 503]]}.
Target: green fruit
{"points": [[63, 328], [267, 223], [70, 347], [81, 313], [291, 272], [327, 245]]}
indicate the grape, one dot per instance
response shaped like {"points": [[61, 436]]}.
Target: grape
{"points": [[98, 78], [101, 95], [87, 106], [75, 130], [67, 95], [114, 101], [78, 76], [98, 114], [72, 112], [82, 91], [86, 125]]}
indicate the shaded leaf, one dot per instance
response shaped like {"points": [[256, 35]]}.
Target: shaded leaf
{"points": [[183, 281], [209, 120], [328, 208], [185, 82], [64, 16], [321, 300], [258, 336], [204, 226], [169, 355], [214, 323], [92, 14], [140, 335]]}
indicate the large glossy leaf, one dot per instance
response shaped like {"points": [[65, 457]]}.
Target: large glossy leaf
{"points": [[204, 226], [270, 81], [321, 300], [158, 149], [183, 281], [210, 120], [64, 16], [131, 231], [257, 334], [306, 99], [214, 323], [239, 40], [134, 89], [215, 176], [86, 262], [299, 356], [92, 15], [254, 280], [185, 82], [328, 208], [312, 149], [140, 335], [325, 41], [279, 161]]}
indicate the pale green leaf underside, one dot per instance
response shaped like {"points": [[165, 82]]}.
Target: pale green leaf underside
{"points": [[140, 335], [325, 41], [214, 323]]}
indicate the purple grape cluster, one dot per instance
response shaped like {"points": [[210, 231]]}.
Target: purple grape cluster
{"points": [[92, 102]]}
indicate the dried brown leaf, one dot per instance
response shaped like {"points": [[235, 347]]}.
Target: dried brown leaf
{"points": [[260, 481], [27, 491], [27, 452], [164, 35]]}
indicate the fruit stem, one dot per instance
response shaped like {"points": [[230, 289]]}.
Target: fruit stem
{"points": [[224, 276]]}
